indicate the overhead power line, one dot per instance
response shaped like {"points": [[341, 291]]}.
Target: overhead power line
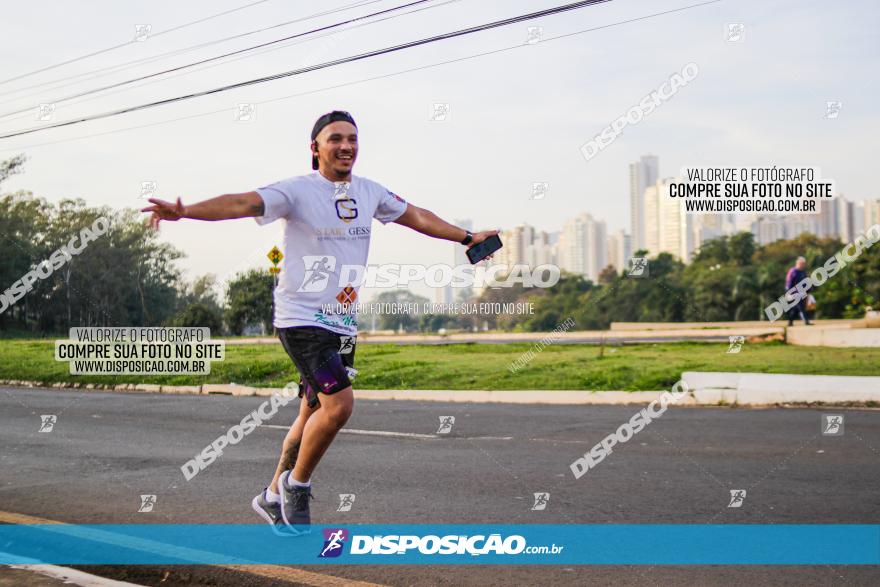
{"points": [[30, 114], [544, 40], [114, 47], [353, 58], [110, 69], [223, 56]]}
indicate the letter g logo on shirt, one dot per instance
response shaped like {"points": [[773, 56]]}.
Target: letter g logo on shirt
{"points": [[346, 210]]}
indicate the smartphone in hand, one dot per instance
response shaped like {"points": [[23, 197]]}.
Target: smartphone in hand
{"points": [[482, 250]]}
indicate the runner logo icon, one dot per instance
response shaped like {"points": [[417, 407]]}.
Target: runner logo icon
{"points": [[318, 269], [832, 424], [346, 500], [736, 343], [47, 422], [334, 540], [446, 424], [541, 500], [346, 344], [737, 497], [147, 503]]}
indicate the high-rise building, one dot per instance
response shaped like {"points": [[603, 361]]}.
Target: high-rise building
{"points": [[846, 229], [513, 251], [583, 246], [768, 229], [709, 226], [523, 245], [539, 251], [828, 221], [642, 174], [619, 249], [872, 213], [857, 218], [838, 218], [668, 228]]}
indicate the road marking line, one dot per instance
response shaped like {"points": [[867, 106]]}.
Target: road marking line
{"points": [[298, 576], [401, 434], [281, 573], [388, 433], [73, 576], [560, 440], [370, 432]]}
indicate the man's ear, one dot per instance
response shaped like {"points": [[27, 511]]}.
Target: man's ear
{"points": [[314, 147]]}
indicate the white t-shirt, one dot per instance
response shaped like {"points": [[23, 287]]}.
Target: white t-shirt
{"points": [[327, 236]]}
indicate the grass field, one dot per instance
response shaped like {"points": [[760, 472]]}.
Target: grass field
{"points": [[634, 367]]}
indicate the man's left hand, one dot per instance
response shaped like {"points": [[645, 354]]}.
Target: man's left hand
{"points": [[481, 236]]}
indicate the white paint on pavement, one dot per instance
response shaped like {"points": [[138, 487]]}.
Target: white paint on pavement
{"points": [[389, 433], [73, 577]]}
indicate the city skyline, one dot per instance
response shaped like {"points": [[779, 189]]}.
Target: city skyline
{"points": [[585, 246]]}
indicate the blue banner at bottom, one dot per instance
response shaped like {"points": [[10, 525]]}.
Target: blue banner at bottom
{"points": [[438, 544]]}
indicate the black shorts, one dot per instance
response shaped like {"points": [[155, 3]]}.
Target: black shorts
{"points": [[324, 359]]}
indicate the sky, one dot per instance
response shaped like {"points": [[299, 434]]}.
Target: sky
{"points": [[516, 116]]}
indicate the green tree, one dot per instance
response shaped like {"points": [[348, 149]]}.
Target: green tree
{"points": [[124, 277], [721, 281], [23, 225], [199, 314], [408, 321], [557, 303], [11, 167], [775, 259], [249, 301]]}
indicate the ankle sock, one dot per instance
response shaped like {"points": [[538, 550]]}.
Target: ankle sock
{"points": [[272, 497], [295, 483]]}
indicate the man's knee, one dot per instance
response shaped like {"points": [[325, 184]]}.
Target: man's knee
{"points": [[338, 407], [339, 417]]}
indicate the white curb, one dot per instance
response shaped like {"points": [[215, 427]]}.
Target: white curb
{"points": [[706, 389], [781, 388]]}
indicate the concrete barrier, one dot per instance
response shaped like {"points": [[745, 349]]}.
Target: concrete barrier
{"points": [[244, 390], [630, 326], [833, 336], [228, 389], [706, 388], [780, 388], [268, 391], [182, 389], [571, 397], [670, 331], [218, 388]]}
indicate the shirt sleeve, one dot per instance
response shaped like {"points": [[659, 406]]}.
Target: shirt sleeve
{"points": [[278, 201], [390, 207]]}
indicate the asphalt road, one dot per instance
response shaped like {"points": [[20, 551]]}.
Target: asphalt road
{"points": [[106, 449]]}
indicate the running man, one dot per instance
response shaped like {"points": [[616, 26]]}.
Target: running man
{"points": [[328, 217]]}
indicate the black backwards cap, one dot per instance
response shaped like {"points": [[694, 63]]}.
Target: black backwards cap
{"points": [[335, 116]]}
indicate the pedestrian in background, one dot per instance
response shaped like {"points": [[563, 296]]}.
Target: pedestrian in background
{"points": [[795, 275]]}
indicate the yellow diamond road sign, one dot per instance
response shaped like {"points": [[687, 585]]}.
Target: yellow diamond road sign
{"points": [[275, 255]]}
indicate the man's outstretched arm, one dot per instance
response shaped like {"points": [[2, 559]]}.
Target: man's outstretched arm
{"points": [[428, 223], [226, 207]]}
